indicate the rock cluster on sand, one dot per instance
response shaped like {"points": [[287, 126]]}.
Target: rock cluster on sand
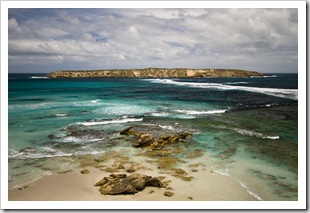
{"points": [[122, 184], [153, 73], [161, 147]]}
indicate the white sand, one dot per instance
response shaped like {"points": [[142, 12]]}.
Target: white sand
{"points": [[74, 186]]}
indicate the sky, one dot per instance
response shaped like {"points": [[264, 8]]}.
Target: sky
{"points": [[44, 40]]}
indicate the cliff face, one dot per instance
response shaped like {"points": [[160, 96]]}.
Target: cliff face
{"points": [[153, 73]]}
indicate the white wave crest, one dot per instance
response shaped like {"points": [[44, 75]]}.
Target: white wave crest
{"points": [[119, 121], [60, 114], [159, 114], [38, 77], [240, 82], [22, 155], [94, 101], [193, 112], [166, 127], [283, 93], [72, 139], [255, 134]]}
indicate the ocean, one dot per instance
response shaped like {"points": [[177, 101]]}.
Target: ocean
{"points": [[246, 127]]}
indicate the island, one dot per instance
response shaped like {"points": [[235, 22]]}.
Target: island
{"points": [[153, 73]]}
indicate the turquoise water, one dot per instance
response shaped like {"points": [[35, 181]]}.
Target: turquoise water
{"points": [[247, 126]]}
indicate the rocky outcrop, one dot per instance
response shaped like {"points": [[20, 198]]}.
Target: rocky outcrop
{"points": [[153, 73], [122, 184], [143, 139]]}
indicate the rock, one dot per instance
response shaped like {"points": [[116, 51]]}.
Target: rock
{"points": [[144, 140], [28, 150], [85, 171], [123, 184], [52, 137], [179, 171], [120, 166], [131, 170], [168, 193], [124, 131], [185, 134]]}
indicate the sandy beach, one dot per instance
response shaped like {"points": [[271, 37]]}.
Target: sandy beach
{"points": [[197, 182]]}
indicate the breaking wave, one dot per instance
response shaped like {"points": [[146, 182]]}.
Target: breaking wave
{"points": [[283, 93], [193, 112], [116, 121], [251, 133], [38, 77]]}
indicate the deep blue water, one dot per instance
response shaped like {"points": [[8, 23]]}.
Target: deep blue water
{"points": [[247, 125]]}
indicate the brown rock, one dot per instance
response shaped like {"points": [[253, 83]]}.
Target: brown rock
{"points": [[144, 140], [125, 131], [168, 193], [131, 170], [123, 184], [85, 171], [179, 171]]}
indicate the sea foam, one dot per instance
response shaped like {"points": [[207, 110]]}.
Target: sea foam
{"points": [[118, 121], [283, 93], [39, 77], [194, 112]]}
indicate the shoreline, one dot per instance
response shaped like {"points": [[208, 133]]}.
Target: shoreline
{"points": [[205, 184]]}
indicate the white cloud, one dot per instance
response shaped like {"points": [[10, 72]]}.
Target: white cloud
{"points": [[118, 38]]}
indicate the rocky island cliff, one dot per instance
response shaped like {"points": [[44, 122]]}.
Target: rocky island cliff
{"points": [[153, 73]]}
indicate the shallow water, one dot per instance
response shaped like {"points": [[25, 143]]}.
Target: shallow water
{"points": [[247, 127]]}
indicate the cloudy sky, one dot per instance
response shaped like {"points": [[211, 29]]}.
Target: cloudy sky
{"points": [[43, 40]]}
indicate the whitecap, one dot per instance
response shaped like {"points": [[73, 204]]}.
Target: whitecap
{"points": [[166, 127], [278, 92], [94, 101], [21, 155], [159, 114], [60, 114], [120, 109], [255, 134], [240, 82], [38, 77], [118, 121], [72, 139], [273, 137], [193, 112]]}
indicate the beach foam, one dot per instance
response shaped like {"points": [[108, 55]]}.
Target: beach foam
{"points": [[225, 172]]}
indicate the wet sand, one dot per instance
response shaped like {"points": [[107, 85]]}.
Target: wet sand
{"points": [[198, 183]]}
